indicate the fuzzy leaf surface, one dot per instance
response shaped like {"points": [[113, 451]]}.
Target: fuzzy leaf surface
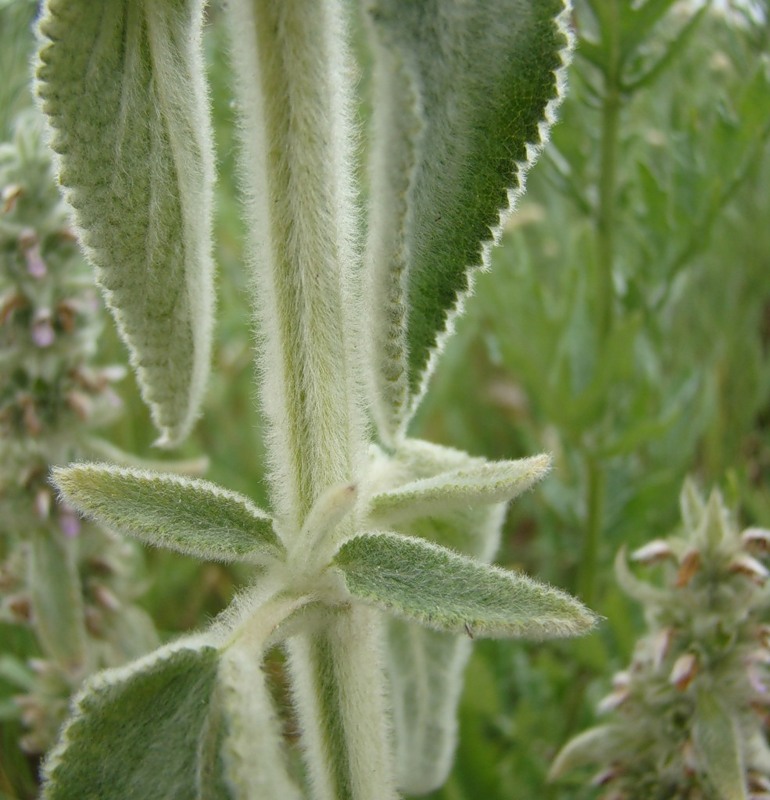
{"points": [[478, 484], [123, 89], [464, 95], [718, 749], [182, 514], [416, 580], [137, 731]]}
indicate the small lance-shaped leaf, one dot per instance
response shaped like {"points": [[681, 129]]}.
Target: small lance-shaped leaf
{"points": [[479, 484], [123, 88], [182, 514], [718, 747], [593, 746], [57, 599], [464, 95], [137, 730], [431, 585]]}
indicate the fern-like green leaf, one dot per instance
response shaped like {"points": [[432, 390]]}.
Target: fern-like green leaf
{"points": [[465, 92], [182, 514], [123, 88]]}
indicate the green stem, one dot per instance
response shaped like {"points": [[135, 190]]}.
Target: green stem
{"points": [[294, 94], [338, 680], [595, 490], [606, 219]]}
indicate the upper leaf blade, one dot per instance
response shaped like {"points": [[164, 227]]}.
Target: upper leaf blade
{"points": [[431, 585], [464, 95], [124, 92], [477, 484], [189, 516]]}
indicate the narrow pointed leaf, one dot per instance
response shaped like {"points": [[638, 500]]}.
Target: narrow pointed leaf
{"points": [[464, 95], [717, 743], [137, 731], [593, 746], [57, 599], [182, 514], [431, 585], [425, 669], [124, 92], [479, 484]]}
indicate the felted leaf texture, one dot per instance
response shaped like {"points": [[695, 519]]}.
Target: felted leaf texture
{"points": [[122, 85], [419, 581], [137, 731], [182, 514], [175, 724], [464, 95]]}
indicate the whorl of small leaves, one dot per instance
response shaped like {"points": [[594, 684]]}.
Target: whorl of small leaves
{"points": [[469, 90], [431, 585], [182, 514], [123, 88]]}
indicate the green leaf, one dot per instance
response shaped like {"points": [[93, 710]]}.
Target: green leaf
{"points": [[594, 746], [57, 598], [479, 484], [124, 92], [464, 94], [136, 731], [182, 514], [425, 668], [717, 741], [431, 585]]}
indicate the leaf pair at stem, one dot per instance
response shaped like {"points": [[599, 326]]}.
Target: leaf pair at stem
{"points": [[463, 96]]}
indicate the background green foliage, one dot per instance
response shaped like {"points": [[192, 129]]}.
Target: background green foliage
{"points": [[624, 327]]}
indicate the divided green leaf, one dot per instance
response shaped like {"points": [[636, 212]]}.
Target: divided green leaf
{"points": [[182, 514], [123, 88], [464, 94], [431, 585]]}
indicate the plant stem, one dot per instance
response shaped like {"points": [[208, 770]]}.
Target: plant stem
{"points": [[294, 95], [595, 486], [338, 680], [605, 220]]}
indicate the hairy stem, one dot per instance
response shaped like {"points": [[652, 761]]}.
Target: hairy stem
{"points": [[338, 680], [294, 91]]}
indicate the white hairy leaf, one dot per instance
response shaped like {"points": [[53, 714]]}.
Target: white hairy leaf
{"points": [[422, 582], [589, 747], [123, 88], [717, 741], [182, 514], [459, 489], [137, 731], [464, 96], [57, 598]]}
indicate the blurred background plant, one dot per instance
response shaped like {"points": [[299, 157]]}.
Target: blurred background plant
{"points": [[625, 327]]}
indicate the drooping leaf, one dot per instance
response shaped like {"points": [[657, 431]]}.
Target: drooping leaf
{"points": [[57, 599], [123, 89], [425, 669], [418, 581], [717, 743], [464, 95], [589, 747], [182, 514], [136, 731], [480, 484]]}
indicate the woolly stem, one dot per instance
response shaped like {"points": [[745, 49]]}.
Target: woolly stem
{"points": [[338, 679], [293, 91]]}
